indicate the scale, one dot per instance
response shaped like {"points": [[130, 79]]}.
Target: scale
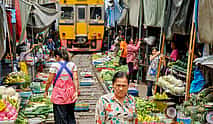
{"points": [[209, 115]]}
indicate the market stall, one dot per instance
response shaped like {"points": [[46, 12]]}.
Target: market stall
{"points": [[149, 111]]}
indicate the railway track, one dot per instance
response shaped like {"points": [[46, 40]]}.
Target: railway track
{"points": [[88, 94]]}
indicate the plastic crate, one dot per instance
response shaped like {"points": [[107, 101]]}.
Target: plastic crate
{"points": [[133, 92], [81, 107], [8, 122], [25, 95], [85, 83]]}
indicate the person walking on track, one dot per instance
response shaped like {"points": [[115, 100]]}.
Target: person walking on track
{"points": [[64, 76], [117, 107]]}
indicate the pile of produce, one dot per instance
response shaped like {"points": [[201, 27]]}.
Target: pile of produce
{"points": [[195, 106], [107, 75], [16, 77], [123, 68], [144, 110], [38, 106], [171, 84], [9, 104], [179, 66], [162, 96], [96, 56]]}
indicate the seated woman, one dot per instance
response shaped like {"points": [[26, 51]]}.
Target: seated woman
{"points": [[174, 56]]}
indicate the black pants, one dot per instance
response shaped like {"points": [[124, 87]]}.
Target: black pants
{"points": [[64, 114], [131, 71], [122, 61], [149, 88]]}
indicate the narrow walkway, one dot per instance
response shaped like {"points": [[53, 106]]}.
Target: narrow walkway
{"points": [[88, 94]]}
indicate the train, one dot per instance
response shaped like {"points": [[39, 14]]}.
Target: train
{"points": [[81, 25]]}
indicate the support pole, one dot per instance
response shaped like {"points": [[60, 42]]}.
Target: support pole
{"points": [[190, 59], [139, 39], [126, 25], [10, 50], [160, 63], [13, 21]]}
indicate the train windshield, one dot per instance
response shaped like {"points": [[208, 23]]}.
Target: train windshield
{"points": [[68, 13], [95, 13], [81, 13]]}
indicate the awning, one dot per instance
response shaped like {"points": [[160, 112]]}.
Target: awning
{"points": [[178, 17], [36, 16], [41, 17], [205, 61]]}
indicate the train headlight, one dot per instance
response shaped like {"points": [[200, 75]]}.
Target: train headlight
{"points": [[99, 34]]}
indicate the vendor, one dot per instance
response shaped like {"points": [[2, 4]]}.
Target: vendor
{"points": [[64, 76], [123, 47], [174, 56], [131, 57], [23, 59], [117, 107], [152, 70]]}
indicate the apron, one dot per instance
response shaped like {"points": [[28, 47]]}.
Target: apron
{"points": [[64, 90]]}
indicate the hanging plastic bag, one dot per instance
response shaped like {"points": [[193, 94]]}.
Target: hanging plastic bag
{"points": [[198, 82]]}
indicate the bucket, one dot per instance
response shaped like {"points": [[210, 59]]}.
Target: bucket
{"points": [[183, 120]]}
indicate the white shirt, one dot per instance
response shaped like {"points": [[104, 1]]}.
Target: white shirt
{"points": [[55, 67]]}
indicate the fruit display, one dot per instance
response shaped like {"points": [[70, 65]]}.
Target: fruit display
{"points": [[9, 104], [16, 77], [162, 96], [145, 109], [2, 105]]}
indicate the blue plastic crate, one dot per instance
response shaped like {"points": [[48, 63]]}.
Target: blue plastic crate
{"points": [[85, 83], [81, 109], [25, 95], [133, 92]]}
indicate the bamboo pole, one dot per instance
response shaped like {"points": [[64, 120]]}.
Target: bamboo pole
{"points": [[192, 55], [160, 63], [189, 66], [11, 54]]}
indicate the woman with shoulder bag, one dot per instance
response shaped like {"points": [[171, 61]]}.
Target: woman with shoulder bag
{"points": [[65, 88]]}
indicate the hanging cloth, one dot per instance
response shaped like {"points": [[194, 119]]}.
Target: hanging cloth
{"points": [[154, 12], [3, 24], [205, 21], [178, 17]]}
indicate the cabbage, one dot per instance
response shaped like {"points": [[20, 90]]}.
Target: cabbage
{"points": [[123, 68], [106, 74]]}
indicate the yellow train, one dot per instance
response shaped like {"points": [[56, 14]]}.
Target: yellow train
{"points": [[81, 26]]}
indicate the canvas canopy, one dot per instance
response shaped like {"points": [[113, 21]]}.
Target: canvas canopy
{"points": [[36, 16]]}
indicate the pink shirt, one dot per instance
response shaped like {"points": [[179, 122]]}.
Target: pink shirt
{"points": [[174, 55], [131, 51]]}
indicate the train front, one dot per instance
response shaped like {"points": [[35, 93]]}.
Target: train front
{"points": [[81, 25]]}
